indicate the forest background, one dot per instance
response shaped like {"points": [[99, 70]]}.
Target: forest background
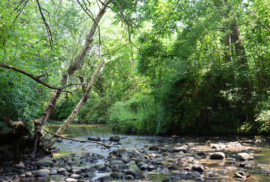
{"points": [[171, 66]]}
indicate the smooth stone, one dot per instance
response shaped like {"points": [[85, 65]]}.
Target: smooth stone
{"points": [[196, 174], [62, 170], [53, 172], [116, 175], [105, 178], [154, 147], [135, 171], [180, 149], [71, 180], [75, 176], [94, 138], [217, 155], [45, 162], [120, 151], [115, 138], [42, 173], [198, 168], [244, 157], [76, 170]]}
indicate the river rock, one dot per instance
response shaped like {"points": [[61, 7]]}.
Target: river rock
{"points": [[20, 166], [196, 174], [198, 167], [75, 176], [244, 156], [180, 149], [94, 138], [45, 162], [71, 180], [217, 155], [115, 138], [135, 171], [62, 170], [116, 175], [185, 175], [77, 170], [105, 178], [154, 147], [53, 172], [119, 151], [42, 173]]}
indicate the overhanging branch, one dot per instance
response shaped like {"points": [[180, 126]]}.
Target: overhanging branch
{"points": [[36, 78]]}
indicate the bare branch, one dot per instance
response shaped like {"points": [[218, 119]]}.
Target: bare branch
{"points": [[46, 25], [57, 135], [36, 78], [19, 14]]}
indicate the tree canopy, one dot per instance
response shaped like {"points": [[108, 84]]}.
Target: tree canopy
{"points": [[164, 66]]}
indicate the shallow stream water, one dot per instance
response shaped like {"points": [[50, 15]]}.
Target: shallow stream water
{"points": [[258, 146], [167, 161]]}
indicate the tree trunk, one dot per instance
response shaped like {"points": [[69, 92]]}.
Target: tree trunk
{"points": [[76, 109], [74, 66]]}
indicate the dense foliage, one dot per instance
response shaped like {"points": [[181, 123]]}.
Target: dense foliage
{"points": [[172, 66]]}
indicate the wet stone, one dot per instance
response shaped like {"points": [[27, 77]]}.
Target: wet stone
{"points": [[42, 173], [75, 176], [94, 138], [154, 147], [186, 175], [180, 149], [129, 177], [196, 174], [76, 170], [244, 157], [71, 180], [62, 170], [116, 175], [115, 138], [198, 168], [105, 178], [217, 155], [45, 162]]}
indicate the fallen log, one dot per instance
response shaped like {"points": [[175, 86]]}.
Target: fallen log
{"points": [[107, 146]]}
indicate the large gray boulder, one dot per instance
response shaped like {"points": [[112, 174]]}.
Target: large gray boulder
{"points": [[45, 162]]}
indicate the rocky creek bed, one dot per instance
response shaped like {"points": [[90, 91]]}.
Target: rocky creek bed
{"points": [[147, 158]]}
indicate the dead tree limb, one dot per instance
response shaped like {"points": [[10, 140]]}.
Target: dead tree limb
{"points": [[107, 146]]}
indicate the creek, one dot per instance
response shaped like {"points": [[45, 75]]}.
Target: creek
{"points": [[174, 158]]}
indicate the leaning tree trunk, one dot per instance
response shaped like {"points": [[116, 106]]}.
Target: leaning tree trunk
{"points": [[76, 110], [74, 66]]}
